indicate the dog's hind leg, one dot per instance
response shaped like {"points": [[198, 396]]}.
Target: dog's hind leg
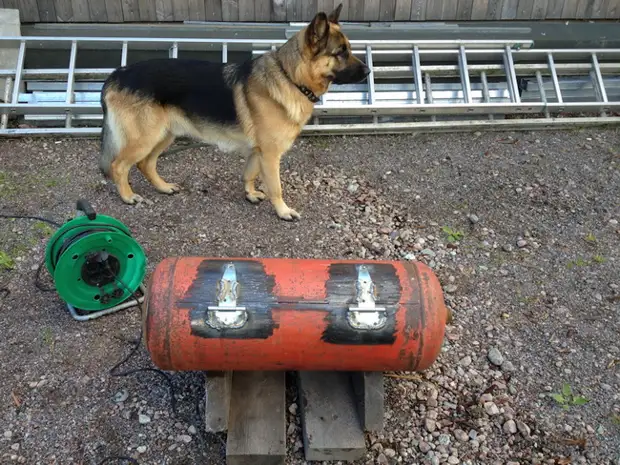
{"points": [[126, 158], [252, 170], [148, 167]]}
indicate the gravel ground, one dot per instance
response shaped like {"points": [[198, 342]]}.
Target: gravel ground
{"points": [[521, 228]]}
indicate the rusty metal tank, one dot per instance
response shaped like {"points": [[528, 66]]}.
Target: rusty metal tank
{"points": [[293, 314]]}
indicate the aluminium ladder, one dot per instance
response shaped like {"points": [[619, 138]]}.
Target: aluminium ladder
{"points": [[414, 86]]}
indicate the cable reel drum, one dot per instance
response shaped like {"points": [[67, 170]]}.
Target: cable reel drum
{"points": [[96, 264]]}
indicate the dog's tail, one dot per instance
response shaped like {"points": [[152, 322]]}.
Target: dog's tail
{"points": [[109, 138]]}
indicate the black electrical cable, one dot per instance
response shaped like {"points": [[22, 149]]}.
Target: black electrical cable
{"points": [[26, 217]]}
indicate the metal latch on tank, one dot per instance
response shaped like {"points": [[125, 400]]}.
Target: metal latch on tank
{"points": [[366, 314], [227, 314]]}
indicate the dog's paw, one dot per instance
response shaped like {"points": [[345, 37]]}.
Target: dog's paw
{"points": [[169, 188], [288, 214], [255, 197], [134, 199]]}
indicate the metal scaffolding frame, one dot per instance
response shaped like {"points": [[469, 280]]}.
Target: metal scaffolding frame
{"points": [[425, 85]]}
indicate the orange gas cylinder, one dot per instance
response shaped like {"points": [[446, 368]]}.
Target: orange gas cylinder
{"points": [[284, 314]]}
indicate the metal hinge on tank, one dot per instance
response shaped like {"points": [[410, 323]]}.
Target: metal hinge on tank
{"points": [[366, 314], [227, 314]]}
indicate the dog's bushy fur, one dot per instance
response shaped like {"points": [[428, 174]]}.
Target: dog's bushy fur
{"points": [[257, 107]]}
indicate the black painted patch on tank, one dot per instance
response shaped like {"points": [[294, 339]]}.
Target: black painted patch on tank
{"points": [[255, 292], [342, 293]]}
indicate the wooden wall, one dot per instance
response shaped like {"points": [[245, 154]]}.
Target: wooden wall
{"points": [[300, 10]]}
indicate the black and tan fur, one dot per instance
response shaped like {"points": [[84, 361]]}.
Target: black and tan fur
{"points": [[258, 107]]}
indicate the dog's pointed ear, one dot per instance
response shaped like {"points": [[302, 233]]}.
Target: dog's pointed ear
{"points": [[318, 31], [335, 15]]}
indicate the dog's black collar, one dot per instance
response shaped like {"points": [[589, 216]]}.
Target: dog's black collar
{"points": [[303, 89]]}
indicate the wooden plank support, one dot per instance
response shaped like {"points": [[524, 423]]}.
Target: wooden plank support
{"points": [[257, 422], [369, 391], [217, 400], [330, 423]]}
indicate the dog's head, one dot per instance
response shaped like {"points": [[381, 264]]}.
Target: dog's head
{"points": [[329, 51]]}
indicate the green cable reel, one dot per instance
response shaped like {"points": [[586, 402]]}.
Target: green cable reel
{"points": [[96, 264]]}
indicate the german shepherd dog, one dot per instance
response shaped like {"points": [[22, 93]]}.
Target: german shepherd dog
{"points": [[258, 107]]}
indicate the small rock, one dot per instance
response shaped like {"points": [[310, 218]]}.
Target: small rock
{"points": [[491, 408], [353, 188], [495, 356], [15, 446], [523, 429], [444, 439], [191, 429], [507, 248], [461, 435], [430, 425], [424, 447], [121, 396], [144, 419], [487, 397], [452, 460], [521, 243], [428, 253], [613, 222], [382, 459], [8, 434], [465, 361], [186, 438], [508, 366], [141, 449], [510, 427], [473, 218], [450, 288], [409, 256], [390, 453], [293, 409]]}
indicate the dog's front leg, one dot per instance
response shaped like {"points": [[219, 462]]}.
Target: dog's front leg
{"points": [[270, 172]]}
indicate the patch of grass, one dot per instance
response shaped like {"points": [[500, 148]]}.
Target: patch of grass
{"points": [[48, 337], [615, 419], [452, 235], [567, 399], [580, 262], [576, 263], [43, 228], [6, 262], [590, 238]]}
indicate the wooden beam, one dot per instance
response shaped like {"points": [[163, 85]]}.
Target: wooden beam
{"points": [[246, 10], [387, 10], [418, 10], [114, 9], [230, 10], [330, 424], [197, 10], [464, 10], [217, 401], [369, 391], [47, 11], [257, 423], [262, 10], [180, 10], [164, 11], [494, 10], [131, 11], [98, 12], [479, 10], [64, 11]]}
